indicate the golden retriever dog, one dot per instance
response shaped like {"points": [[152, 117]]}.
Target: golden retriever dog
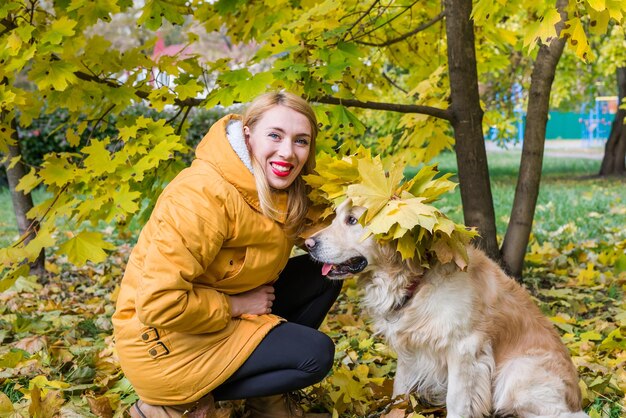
{"points": [[472, 340]]}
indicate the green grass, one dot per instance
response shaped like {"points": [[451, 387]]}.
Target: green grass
{"points": [[8, 224], [569, 195]]}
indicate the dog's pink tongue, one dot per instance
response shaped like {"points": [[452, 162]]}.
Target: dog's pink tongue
{"points": [[326, 268]]}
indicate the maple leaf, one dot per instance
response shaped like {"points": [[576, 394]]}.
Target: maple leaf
{"points": [[407, 213], [6, 407], [29, 181], [32, 344], [375, 188], [60, 28], [100, 406], [188, 90], [126, 199], [407, 247], [57, 74], [350, 387], [85, 246], [542, 30], [56, 170], [155, 10], [46, 407], [99, 159]]}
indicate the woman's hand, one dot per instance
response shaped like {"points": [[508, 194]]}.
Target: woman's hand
{"points": [[257, 301]]}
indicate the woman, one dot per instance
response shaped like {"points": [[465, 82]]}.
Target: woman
{"points": [[210, 304]]}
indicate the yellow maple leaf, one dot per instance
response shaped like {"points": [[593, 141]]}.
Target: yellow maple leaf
{"points": [[598, 21], [85, 246], [6, 407], [577, 37], [396, 210], [350, 389], [376, 186], [407, 213], [57, 170], [406, 246], [542, 30], [616, 9]]}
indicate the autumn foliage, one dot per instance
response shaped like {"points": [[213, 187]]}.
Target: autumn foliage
{"points": [[378, 74]]}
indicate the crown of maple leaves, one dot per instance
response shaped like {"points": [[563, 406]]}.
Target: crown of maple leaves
{"points": [[397, 211]]}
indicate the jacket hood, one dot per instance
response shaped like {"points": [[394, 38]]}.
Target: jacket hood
{"points": [[224, 147]]}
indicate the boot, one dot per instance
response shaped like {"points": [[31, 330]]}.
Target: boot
{"points": [[278, 406], [204, 408]]}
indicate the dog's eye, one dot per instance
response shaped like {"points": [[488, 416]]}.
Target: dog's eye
{"points": [[351, 220]]}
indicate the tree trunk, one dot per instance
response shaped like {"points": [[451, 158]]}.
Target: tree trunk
{"points": [[520, 225], [22, 203], [467, 117], [613, 162]]}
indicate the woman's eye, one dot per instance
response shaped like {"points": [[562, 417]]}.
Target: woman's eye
{"points": [[352, 220], [302, 141], [274, 135]]}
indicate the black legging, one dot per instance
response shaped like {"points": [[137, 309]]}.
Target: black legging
{"points": [[294, 354]]}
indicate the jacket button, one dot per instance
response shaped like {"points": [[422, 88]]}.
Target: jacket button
{"points": [[153, 352], [144, 336]]}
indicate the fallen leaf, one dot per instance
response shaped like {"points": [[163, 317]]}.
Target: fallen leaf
{"points": [[100, 406]]}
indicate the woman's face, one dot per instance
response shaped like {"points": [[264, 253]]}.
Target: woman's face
{"points": [[280, 141]]}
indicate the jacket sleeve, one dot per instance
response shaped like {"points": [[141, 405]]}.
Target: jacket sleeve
{"points": [[180, 250]]}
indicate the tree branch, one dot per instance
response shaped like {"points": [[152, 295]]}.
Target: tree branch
{"points": [[393, 83], [418, 29], [8, 24], [182, 122], [356, 22], [139, 93], [391, 107], [387, 22]]}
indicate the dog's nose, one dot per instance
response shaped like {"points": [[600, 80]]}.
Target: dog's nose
{"points": [[310, 243]]}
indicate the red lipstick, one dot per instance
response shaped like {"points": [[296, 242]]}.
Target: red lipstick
{"points": [[278, 172]]}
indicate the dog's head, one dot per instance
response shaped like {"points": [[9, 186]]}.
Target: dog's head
{"points": [[341, 246]]}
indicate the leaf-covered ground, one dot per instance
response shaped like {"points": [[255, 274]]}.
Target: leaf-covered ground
{"points": [[57, 356]]}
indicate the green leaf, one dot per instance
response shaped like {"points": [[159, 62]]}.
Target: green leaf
{"points": [[591, 336], [9, 278], [620, 264], [63, 27], [188, 90], [160, 97], [86, 246], [57, 170], [154, 11], [12, 358], [29, 181], [126, 200], [57, 74], [99, 159]]}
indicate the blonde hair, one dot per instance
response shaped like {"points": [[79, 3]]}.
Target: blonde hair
{"points": [[297, 201]]}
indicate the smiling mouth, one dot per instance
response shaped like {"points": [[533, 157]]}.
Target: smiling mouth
{"points": [[281, 170], [351, 266]]}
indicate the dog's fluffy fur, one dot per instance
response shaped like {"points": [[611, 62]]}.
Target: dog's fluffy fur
{"points": [[472, 340]]}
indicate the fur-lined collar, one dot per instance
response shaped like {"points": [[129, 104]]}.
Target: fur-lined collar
{"points": [[234, 133]]}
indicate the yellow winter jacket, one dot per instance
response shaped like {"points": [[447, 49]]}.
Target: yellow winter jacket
{"points": [[206, 239]]}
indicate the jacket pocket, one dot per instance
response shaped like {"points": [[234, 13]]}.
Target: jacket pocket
{"points": [[236, 262]]}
